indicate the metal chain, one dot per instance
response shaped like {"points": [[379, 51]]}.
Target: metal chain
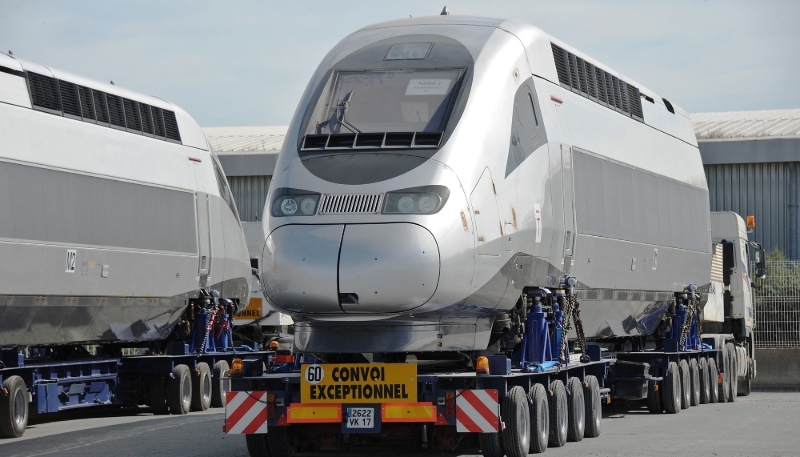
{"points": [[208, 330], [576, 315], [687, 323], [565, 328]]}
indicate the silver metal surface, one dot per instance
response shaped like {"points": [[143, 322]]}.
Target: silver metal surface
{"points": [[391, 267], [747, 124], [299, 268]]}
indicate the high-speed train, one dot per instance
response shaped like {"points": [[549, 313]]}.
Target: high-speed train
{"points": [[114, 212], [436, 166]]}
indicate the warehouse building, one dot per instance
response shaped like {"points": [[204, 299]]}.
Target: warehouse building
{"points": [[752, 163]]}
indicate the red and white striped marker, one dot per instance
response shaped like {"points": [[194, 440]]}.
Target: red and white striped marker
{"points": [[245, 413], [477, 411]]}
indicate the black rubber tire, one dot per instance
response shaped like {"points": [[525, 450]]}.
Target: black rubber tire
{"points": [[558, 414], [280, 442], [491, 445], [733, 383], [13, 408], [654, 403], [694, 383], [686, 393], [179, 393], [744, 384], [671, 393], [724, 386], [257, 445], [515, 412], [705, 382], [540, 419], [594, 408], [217, 385], [577, 410], [201, 387], [713, 381], [158, 395]]}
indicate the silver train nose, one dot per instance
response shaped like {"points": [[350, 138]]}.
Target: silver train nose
{"points": [[353, 268]]}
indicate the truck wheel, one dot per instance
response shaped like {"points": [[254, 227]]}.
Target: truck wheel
{"points": [[179, 395], [594, 409], [558, 414], [515, 412], [685, 385], [654, 404], [744, 384], [577, 410], [257, 445], [671, 393], [219, 387], [713, 381], [201, 387], [158, 395], [13, 408], [733, 380], [280, 443], [540, 419], [705, 382], [491, 445], [694, 383]]}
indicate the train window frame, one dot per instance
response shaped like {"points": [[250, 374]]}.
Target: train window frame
{"points": [[323, 109], [224, 189]]}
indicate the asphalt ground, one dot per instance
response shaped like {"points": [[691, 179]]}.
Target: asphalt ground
{"points": [[763, 424]]}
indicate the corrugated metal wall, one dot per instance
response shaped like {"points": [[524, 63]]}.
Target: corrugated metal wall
{"points": [[766, 190], [250, 193]]}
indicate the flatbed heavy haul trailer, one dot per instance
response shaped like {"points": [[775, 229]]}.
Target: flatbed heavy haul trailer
{"points": [[515, 405], [117, 231]]}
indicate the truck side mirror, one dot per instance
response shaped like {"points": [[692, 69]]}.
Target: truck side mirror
{"points": [[761, 264]]}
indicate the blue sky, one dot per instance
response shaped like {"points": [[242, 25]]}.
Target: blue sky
{"points": [[247, 62]]}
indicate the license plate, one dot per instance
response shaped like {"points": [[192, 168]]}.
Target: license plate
{"points": [[360, 417]]}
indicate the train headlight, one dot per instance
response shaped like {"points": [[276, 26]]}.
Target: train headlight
{"points": [[416, 200], [294, 202], [288, 206]]}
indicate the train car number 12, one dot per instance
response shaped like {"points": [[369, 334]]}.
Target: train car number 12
{"points": [[360, 417]]}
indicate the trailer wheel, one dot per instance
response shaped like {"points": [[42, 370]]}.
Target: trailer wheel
{"points": [[158, 395], [705, 381], [558, 414], [744, 385], [257, 445], [577, 410], [201, 387], [515, 412], [594, 409], [280, 442], [694, 382], [490, 444], [713, 381], [733, 382], [13, 408], [685, 385], [654, 404], [219, 387], [179, 395], [540, 419], [672, 389], [724, 387]]}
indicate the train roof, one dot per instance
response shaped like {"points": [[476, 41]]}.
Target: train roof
{"points": [[187, 131], [537, 42]]}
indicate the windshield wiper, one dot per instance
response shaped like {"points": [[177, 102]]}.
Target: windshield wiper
{"points": [[340, 116]]}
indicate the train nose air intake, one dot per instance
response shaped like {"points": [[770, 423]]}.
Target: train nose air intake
{"points": [[381, 268]]}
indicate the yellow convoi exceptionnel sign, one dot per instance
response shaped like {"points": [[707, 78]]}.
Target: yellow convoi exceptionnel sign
{"points": [[358, 383]]}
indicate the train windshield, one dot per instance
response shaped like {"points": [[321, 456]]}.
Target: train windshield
{"points": [[386, 101]]}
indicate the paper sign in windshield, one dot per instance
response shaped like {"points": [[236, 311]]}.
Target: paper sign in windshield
{"points": [[428, 86]]}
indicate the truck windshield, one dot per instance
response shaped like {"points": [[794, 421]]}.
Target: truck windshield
{"points": [[386, 101]]}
